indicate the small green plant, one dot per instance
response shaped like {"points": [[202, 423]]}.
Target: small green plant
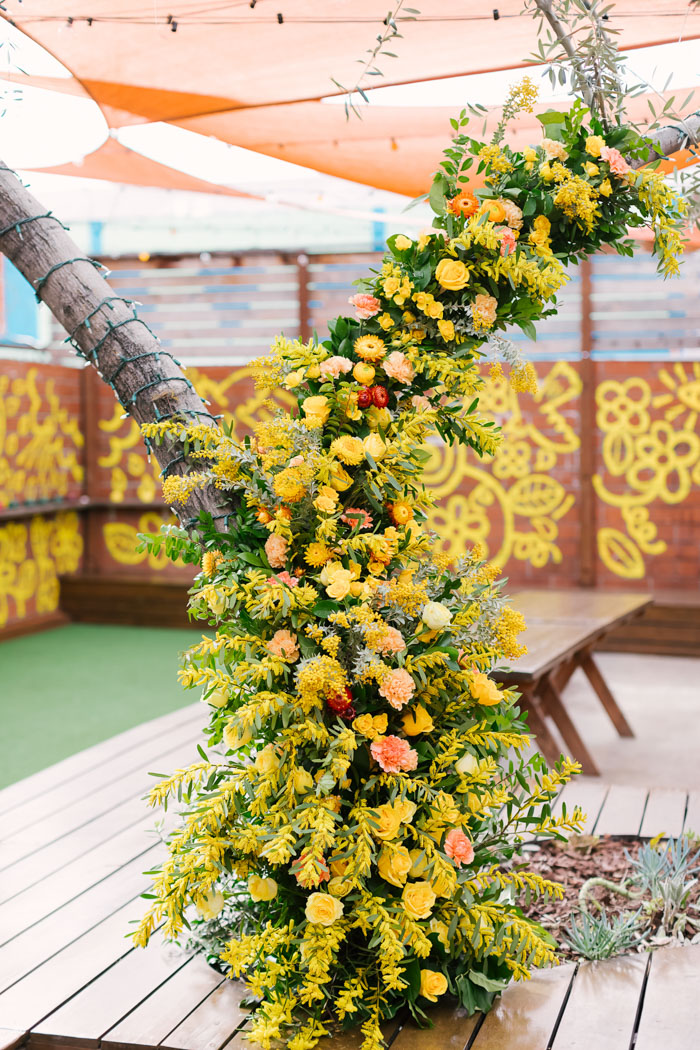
{"points": [[664, 875], [598, 937]]}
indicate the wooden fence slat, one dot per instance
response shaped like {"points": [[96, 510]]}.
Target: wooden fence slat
{"points": [[524, 1017], [665, 813], [588, 793], [623, 811], [602, 1007], [51, 983], [453, 1029], [104, 1002], [692, 814], [214, 1021], [150, 1023], [670, 1014]]}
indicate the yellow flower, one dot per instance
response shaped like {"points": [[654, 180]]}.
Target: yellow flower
{"points": [[435, 309], [391, 286], [418, 900], [267, 761], [313, 371], [364, 373], [294, 379], [443, 934], [386, 321], [262, 889], [218, 698], [394, 865], [467, 764], [402, 243], [316, 409], [370, 348], [419, 863], [417, 720], [452, 274], [594, 144], [432, 984], [447, 330], [340, 479], [436, 616], [404, 807], [317, 554], [339, 887], [494, 209], [215, 600], [378, 417], [235, 738], [371, 726], [210, 904], [322, 909], [530, 155], [546, 172], [542, 223], [374, 447], [337, 580], [388, 821], [348, 449], [591, 168], [606, 188], [484, 690], [303, 781], [338, 867], [326, 500]]}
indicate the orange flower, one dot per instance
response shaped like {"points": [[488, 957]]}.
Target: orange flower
{"points": [[276, 550], [465, 203], [458, 847], [398, 688], [394, 754]]}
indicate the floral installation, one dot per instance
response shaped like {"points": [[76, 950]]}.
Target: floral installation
{"points": [[345, 843]]}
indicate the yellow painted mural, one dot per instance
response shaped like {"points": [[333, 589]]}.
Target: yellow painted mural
{"points": [[122, 539], [511, 504], [32, 556], [651, 455], [40, 441]]}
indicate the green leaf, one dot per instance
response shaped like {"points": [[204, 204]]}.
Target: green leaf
{"points": [[553, 123], [324, 609], [486, 982]]}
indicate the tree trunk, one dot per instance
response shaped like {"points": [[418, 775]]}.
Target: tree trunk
{"points": [[104, 329]]}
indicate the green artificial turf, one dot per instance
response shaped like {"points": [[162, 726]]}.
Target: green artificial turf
{"points": [[65, 689]]}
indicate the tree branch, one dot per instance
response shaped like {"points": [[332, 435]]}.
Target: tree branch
{"points": [[104, 329], [545, 6]]}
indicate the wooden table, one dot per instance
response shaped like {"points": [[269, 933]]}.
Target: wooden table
{"points": [[563, 629], [75, 839]]}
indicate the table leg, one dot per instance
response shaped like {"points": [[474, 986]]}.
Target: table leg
{"points": [[553, 703], [537, 725], [606, 698], [563, 673]]}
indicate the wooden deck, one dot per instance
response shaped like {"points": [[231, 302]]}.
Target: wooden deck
{"points": [[75, 839]]}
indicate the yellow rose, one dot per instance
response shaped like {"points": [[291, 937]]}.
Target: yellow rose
{"points": [[542, 223], [419, 863], [338, 867], [294, 379], [262, 889], [594, 144], [386, 321], [447, 330], [348, 449], [391, 286], [336, 579], [404, 807], [418, 900], [442, 932], [539, 237], [417, 720], [303, 781], [340, 479], [546, 172], [452, 274], [313, 371], [530, 155], [378, 418], [363, 724], [210, 904], [591, 168], [606, 188], [466, 765], [235, 738], [364, 373], [402, 244], [215, 600], [408, 317], [388, 821], [323, 909], [339, 887], [435, 309], [394, 865], [432, 984], [267, 761], [374, 447], [316, 408], [484, 690], [436, 616], [324, 504], [219, 698]]}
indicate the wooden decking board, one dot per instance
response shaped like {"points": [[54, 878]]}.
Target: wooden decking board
{"points": [[525, 1016], [10, 1038], [453, 1030], [31, 947], [212, 1024], [92, 757], [623, 811], [50, 984], [587, 792], [39, 865], [664, 813], [602, 1006], [107, 774], [669, 1018], [103, 1003], [52, 893], [98, 803], [151, 1022]]}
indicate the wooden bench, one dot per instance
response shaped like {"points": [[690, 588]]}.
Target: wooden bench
{"points": [[563, 628], [76, 838]]}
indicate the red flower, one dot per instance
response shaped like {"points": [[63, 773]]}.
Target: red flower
{"points": [[339, 702], [364, 398], [380, 396]]}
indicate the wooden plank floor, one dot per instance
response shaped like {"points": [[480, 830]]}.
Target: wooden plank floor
{"points": [[74, 843]]}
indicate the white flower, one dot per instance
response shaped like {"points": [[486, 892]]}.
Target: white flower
{"points": [[436, 616]]}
